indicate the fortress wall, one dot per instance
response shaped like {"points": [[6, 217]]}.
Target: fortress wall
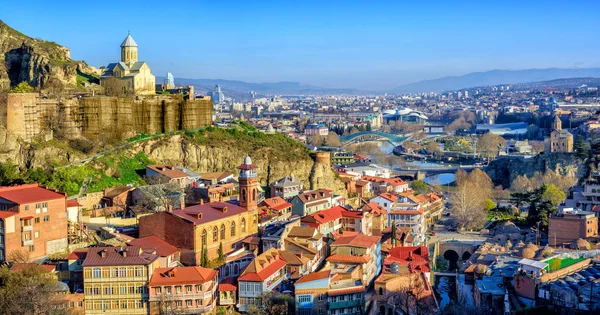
{"points": [[22, 115], [197, 113]]}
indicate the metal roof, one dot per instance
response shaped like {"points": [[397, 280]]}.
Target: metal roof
{"points": [[129, 42]]}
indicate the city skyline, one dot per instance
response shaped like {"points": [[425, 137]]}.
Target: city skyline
{"points": [[335, 45]]}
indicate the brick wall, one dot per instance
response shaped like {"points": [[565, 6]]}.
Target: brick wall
{"points": [[566, 229]]}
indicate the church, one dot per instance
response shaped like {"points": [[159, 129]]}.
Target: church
{"points": [[560, 140], [129, 76]]}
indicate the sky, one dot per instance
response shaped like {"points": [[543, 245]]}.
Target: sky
{"points": [[344, 44]]}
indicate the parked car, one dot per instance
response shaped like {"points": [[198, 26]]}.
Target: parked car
{"points": [[452, 229]]}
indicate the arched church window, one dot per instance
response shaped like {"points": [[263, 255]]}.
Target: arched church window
{"points": [[203, 237], [232, 229], [215, 234], [243, 225], [222, 231]]}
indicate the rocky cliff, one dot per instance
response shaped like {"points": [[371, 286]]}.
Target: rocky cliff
{"points": [[40, 63], [504, 170]]}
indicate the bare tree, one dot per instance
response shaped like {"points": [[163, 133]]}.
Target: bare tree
{"points": [[468, 206], [165, 305], [409, 297], [19, 256]]}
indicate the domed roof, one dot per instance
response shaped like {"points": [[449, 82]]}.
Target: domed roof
{"points": [[247, 160], [129, 42], [580, 244]]}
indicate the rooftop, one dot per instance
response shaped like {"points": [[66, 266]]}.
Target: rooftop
{"points": [[30, 193], [204, 213], [182, 275], [167, 170], [118, 256], [161, 247]]}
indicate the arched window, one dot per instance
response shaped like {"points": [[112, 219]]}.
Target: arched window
{"points": [[215, 234], [236, 269], [253, 194], [380, 291], [243, 194], [232, 229], [222, 231], [243, 225], [203, 237]]}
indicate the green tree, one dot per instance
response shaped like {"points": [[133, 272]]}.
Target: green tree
{"points": [[489, 205], [553, 194], [221, 256], [419, 186], [204, 258], [22, 87], [9, 174], [29, 291], [580, 146]]}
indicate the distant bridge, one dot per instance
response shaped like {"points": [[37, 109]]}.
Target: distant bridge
{"points": [[372, 136], [425, 172]]}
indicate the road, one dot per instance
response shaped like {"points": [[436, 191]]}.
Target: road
{"points": [[442, 234]]}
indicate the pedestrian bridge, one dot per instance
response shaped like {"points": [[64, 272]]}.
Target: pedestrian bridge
{"points": [[372, 136]]}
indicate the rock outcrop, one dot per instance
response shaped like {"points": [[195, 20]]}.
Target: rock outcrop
{"points": [[504, 170], [40, 63]]}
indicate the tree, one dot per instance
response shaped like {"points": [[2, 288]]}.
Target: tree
{"points": [[204, 259], [553, 194], [419, 186], [274, 303], [521, 184], [468, 206], [489, 205], [434, 148], [29, 291], [333, 140], [489, 144], [9, 174], [221, 256], [159, 196], [580, 146], [410, 296], [22, 87], [354, 130]]}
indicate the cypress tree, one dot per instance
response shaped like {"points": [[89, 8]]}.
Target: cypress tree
{"points": [[221, 256]]}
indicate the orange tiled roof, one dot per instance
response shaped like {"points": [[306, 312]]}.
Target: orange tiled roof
{"points": [[30, 193], [359, 240], [314, 276], [389, 197], [349, 259], [276, 203]]}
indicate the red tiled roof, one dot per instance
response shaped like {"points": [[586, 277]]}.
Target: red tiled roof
{"points": [[418, 211], [114, 257], [181, 275], [314, 276], [314, 195], [7, 214], [276, 203], [264, 273], [359, 240], [168, 170], [161, 247], [415, 257], [374, 208], [209, 211], [391, 181], [349, 259], [16, 267], [227, 284], [389, 197], [77, 254], [30, 193], [73, 203]]}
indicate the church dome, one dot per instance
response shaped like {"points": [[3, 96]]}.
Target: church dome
{"points": [[129, 42], [247, 160]]}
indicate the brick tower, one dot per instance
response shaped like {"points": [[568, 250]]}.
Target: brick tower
{"points": [[248, 182]]}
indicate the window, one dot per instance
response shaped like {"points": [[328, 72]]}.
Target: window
{"points": [[304, 298], [45, 207], [178, 303], [215, 234], [198, 288], [46, 218], [139, 271], [243, 225], [188, 303], [36, 220], [37, 208], [198, 302], [168, 290], [203, 237], [36, 234], [26, 207], [31, 248], [178, 289], [188, 289], [96, 273], [222, 231], [321, 297], [122, 272], [232, 229]]}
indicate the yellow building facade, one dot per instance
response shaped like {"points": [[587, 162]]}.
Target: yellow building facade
{"points": [[560, 140], [128, 76]]}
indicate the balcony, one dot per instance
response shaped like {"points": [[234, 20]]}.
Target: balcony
{"points": [[26, 228], [27, 242], [345, 304]]}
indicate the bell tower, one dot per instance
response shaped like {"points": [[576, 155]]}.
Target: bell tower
{"points": [[129, 51], [248, 182], [557, 123]]}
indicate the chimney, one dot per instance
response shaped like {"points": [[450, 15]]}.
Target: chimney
{"points": [[181, 204], [170, 208], [220, 197], [199, 216], [299, 255], [224, 209], [201, 201], [103, 253]]}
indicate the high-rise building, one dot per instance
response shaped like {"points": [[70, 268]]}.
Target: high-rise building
{"points": [[169, 80], [216, 95]]}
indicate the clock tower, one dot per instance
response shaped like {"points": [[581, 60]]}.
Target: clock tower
{"points": [[248, 182]]}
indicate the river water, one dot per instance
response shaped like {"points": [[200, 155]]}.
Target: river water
{"points": [[445, 290]]}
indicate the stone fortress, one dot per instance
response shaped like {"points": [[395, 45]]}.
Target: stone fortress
{"points": [[33, 116]]}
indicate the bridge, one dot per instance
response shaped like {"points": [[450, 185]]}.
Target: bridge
{"points": [[421, 173], [454, 250], [372, 136]]}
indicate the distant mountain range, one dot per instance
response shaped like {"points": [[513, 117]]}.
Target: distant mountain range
{"points": [[240, 90], [494, 77]]}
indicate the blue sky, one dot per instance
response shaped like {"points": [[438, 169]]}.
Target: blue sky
{"points": [[362, 44]]}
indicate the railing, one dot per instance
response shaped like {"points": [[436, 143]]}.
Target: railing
{"points": [[345, 304], [25, 228], [27, 242], [227, 301]]}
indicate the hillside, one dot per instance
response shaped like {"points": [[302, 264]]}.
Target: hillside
{"points": [[205, 150], [40, 63], [494, 77]]}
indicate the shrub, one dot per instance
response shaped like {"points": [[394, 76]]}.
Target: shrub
{"points": [[22, 87], [82, 145]]}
